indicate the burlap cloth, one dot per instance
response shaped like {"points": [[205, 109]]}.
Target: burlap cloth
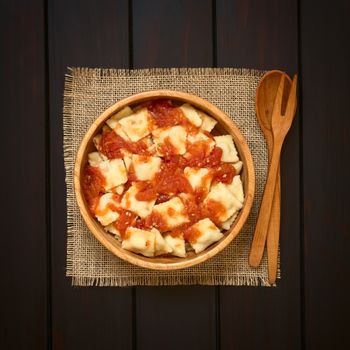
{"points": [[88, 92]]}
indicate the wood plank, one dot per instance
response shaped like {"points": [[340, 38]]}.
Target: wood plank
{"points": [[82, 33], [174, 34], [325, 57], [23, 246], [263, 35]]}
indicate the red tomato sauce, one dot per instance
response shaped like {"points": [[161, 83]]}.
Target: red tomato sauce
{"points": [[192, 234], [126, 219], [165, 114], [93, 186], [214, 210], [223, 173], [112, 145], [169, 181]]}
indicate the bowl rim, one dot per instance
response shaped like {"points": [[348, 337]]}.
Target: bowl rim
{"points": [[178, 263]]}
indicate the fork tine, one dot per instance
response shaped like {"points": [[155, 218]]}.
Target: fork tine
{"points": [[292, 98], [277, 105]]}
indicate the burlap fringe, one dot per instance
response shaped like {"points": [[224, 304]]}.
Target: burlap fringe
{"points": [[105, 72], [147, 280], [67, 152]]}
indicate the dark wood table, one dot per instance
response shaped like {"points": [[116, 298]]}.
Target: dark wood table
{"points": [[309, 309]]}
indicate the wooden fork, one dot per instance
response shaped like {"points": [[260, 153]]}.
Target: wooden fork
{"points": [[280, 125]]}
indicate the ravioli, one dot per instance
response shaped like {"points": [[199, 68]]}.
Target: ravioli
{"points": [[130, 202], [204, 234], [145, 167], [174, 136], [139, 241], [199, 178], [238, 166], [236, 187], [208, 123], [228, 223], [161, 246], [114, 173], [105, 209], [191, 114], [199, 137], [95, 158], [220, 193], [177, 244], [137, 125], [229, 152], [168, 193], [172, 212]]}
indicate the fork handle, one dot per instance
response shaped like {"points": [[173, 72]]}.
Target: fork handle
{"points": [[262, 224], [273, 233]]}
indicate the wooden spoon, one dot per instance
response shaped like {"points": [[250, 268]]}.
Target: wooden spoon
{"points": [[265, 98], [280, 125]]}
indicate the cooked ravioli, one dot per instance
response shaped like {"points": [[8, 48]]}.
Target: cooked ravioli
{"points": [[160, 244], [208, 123], [204, 233], [125, 112], [172, 212], [236, 187], [228, 223], [130, 202], [175, 136], [105, 210], [230, 204], [139, 241], [193, 139], [238, 166], [199, 178], [177, 244], [229, 152], [182, 147], [96, 140], [145, 167], [191, 114], [95, 158], [137, 125], [114, 173]]}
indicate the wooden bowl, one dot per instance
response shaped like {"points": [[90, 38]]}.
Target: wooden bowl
{"points": [[224, 126]]}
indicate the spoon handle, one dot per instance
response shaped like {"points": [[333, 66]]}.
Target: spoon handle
{"points": [[262, 223], [273, 232]]}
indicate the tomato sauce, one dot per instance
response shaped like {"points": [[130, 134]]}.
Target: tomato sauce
{"points": [[165, 114], [167, 149], [169, 181], [214, 210], [111, 145], [93, 186], [126, 219], [192, 234], [223, 173]]}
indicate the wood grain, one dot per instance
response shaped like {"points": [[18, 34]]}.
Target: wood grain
{"points": [[23, 258], [82, 33], [325, 57], [263, 35]]}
